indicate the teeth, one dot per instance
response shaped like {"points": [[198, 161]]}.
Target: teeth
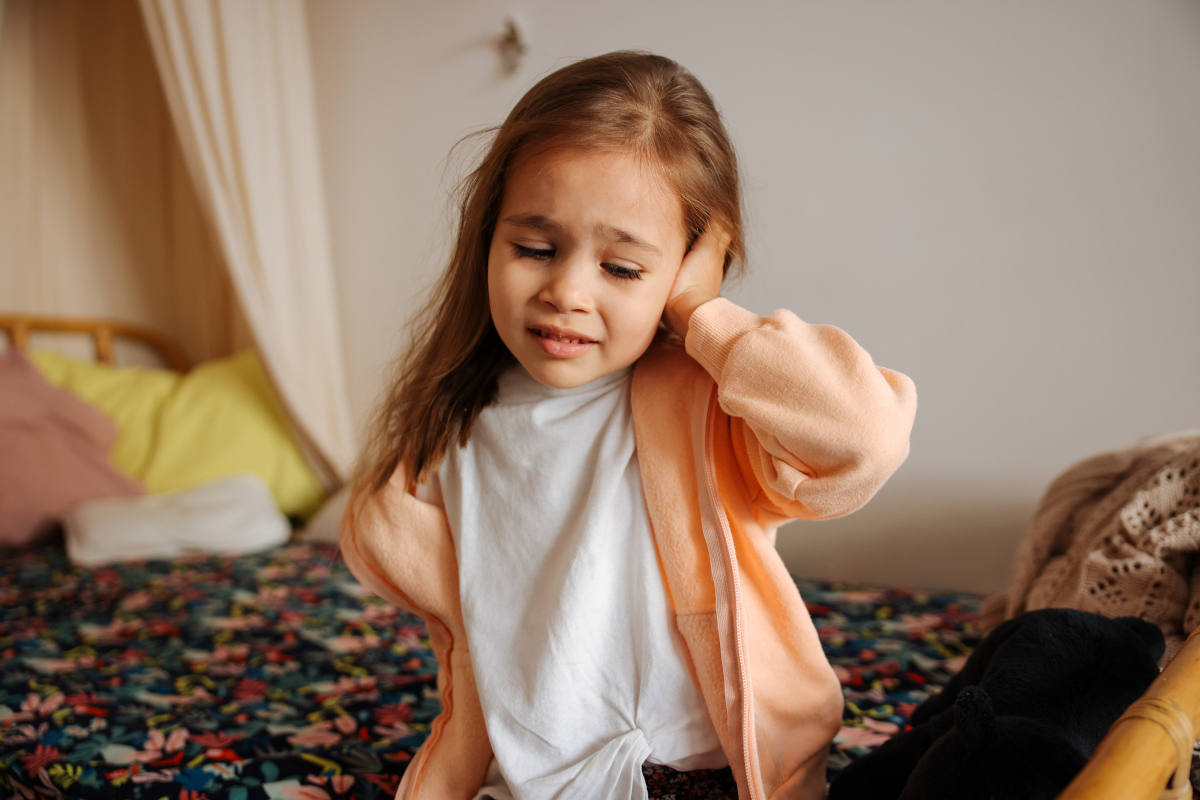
{"points": [[564, 340]]}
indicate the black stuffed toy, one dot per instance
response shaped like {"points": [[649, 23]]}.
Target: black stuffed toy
{"points": [[1021, 718]]}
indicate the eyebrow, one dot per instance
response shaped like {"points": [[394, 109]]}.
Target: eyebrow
{"points": [[541, 223]]}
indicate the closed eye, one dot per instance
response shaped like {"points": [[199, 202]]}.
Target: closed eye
{"points": [[545, 254], [624, 273], [538, 254]]}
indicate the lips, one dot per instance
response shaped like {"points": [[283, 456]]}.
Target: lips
{"points": [[561, 342], [561, 334]]}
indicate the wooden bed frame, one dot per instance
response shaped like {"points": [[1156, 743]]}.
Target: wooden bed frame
{"points": [[103, 333], [1152, 742], [1148, 746]]}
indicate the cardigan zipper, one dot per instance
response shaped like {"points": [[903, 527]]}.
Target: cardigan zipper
{"points": [[723, 558]]}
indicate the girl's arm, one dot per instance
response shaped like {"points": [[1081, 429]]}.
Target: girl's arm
{"points": [[817, 426]]}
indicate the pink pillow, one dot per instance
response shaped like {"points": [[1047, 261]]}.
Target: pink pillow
{"points": [[53, 453]]}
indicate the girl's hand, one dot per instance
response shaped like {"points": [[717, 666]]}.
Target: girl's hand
{"points": [[698, 280]]}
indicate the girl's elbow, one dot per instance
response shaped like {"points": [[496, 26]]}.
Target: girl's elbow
{"points": [[883, 454], [886, 441], [847, 489], [900, 405]]}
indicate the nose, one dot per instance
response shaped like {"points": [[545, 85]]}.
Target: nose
{"points": [[568, 287]]}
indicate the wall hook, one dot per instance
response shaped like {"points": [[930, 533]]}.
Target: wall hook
{"points": [[511, 47]]}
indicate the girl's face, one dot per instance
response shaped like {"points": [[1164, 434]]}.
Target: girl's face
{"points": [[583, 257]]}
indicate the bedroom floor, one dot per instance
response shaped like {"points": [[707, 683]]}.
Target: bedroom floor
{"points": [[275, 676]]}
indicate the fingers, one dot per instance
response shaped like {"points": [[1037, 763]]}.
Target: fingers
{"points": [[699, 278], [705, 262], [714, 237]]}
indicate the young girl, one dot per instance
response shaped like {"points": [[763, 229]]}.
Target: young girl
{"points": [[577, 476]]}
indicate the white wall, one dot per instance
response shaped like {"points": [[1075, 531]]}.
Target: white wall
{"points": [[1000, 199]]}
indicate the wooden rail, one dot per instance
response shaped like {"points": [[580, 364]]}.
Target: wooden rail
{"points": [[1138, 757], [103, 333]]}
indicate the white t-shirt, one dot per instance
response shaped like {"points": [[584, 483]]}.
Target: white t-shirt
{"points": [[581, 673]]}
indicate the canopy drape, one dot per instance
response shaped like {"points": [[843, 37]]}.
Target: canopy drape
{"points": [[238, 80]]}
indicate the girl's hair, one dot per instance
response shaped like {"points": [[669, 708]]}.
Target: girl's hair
{"points": [[627, 102]]}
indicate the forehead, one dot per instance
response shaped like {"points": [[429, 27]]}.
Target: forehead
{"points": [[581, 188]]}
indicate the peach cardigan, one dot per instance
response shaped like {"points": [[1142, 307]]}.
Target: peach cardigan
{"points": [[769, 419]]}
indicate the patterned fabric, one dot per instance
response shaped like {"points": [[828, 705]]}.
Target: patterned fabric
{"points": [[891, 649], [276, 676]]}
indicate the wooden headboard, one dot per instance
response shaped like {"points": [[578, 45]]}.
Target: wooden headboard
{"points": [[103, 333]]}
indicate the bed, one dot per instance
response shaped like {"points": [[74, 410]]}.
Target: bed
{"points": [[276, 675]]}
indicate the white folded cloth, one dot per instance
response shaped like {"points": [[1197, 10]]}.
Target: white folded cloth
{"points": [[232, 515]]}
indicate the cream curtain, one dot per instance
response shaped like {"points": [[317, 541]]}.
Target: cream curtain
{"points": [[98, 216], [238, 80]]}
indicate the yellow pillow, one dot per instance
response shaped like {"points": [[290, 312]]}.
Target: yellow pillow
{"points": [[180, 431], [222, 419], [132, 397]]}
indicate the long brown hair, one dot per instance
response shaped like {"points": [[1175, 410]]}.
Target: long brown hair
{"points": [[625, 101]]}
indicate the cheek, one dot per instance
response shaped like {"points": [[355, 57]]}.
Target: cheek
{"points": [[657, 301], [656, 298], [499, 285], [642, 315]]}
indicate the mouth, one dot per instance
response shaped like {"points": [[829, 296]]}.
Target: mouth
{"points": [[561, 342], [565, 335]]}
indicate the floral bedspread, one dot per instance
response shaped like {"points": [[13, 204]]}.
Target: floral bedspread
{"points": [[276, 676]]}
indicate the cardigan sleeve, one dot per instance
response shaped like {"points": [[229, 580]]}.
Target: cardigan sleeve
{"points": [[817, 426]]}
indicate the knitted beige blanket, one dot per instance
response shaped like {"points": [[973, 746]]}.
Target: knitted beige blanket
{"points": [[1118, 535]]}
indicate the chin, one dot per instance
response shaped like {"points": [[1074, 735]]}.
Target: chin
{"points": [[559, 375], [565, 373]]}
